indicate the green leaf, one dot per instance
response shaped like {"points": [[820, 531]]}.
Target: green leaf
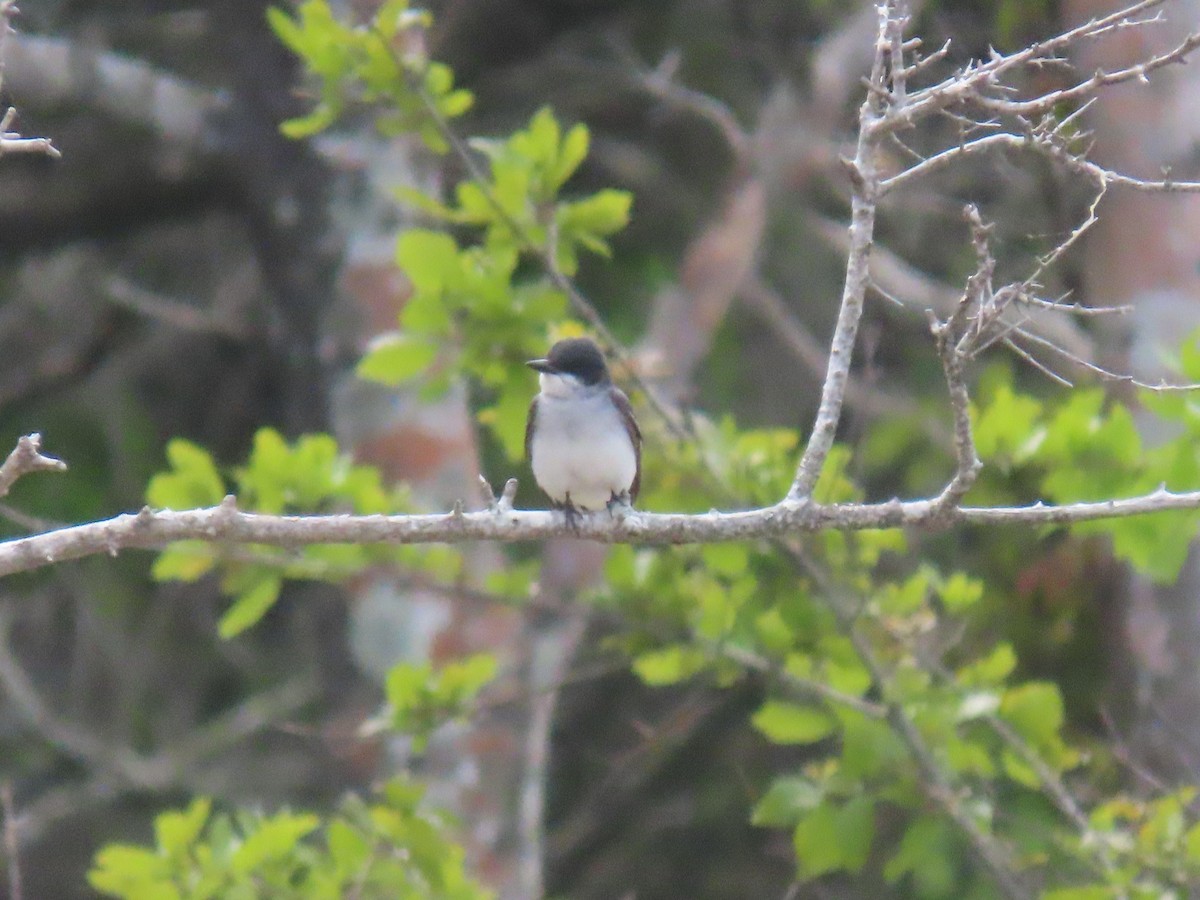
{"points": [[856, 828], [462, 679], [869, 746], [726, 559], [396, 357], [314, 122], [1035, 710], [127, 871], [572, 152], [830, 839], [817, 842], [192, 482], [603, 213], [274, 839], [183, 561], [455, 103], [909, 596], [407, 684], [250, 606], [669, 665], [991, 670], [348, 848], [418, 199], [429, 259], [773, 631], [1191, 842], [786, 801], [788, 723], [1005, 426], [1020, 771], [175, 832], [928, 853], [960, 592], [506, 417]]}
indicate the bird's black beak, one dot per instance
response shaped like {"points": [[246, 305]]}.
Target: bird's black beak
{"points": [[541, 365]]}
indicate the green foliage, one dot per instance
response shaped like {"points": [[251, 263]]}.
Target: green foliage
{"points": [[787, 723], [420, 698], [470, 297], [310, 475], [392, 847], [371, 64], [1087, 448], [874, 658]]}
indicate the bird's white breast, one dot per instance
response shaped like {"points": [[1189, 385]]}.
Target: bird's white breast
{"points": [[580, 447]]}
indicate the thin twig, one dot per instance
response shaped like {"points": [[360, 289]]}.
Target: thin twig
{"points": [[1107, 375], [967, 462], [12, 141], [26, 457], [863, 397], [1087, 88], [660, 83], [968, 83]]}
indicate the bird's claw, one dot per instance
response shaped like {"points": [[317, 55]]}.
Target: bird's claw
{"points": [[619, 503], [572, 513]]}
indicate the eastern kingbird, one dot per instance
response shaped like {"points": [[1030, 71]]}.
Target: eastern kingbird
{"points": [[581, 437]]}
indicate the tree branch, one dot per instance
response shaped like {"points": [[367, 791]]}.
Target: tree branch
{"points": [[26, 457], [12, 141], [967, 85], [152, 530], [864, 180]]}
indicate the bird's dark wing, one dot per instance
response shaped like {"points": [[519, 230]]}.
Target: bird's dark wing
{"points": [[529, 426], [635, 436]]}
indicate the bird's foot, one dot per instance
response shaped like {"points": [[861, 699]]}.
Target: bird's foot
{"points": [[572, 513], [619, 504]]}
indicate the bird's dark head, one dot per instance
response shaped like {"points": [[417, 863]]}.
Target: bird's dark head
{"points": [[576, 357]]}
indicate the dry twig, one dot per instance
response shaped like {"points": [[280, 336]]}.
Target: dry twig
{"points": [[11, 141]]}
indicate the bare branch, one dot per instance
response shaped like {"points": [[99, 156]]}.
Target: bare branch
{"points": [[1039, 144], [860, 395], [151, 529], [12, 141], [171, 311], [1038, 364], [1104, 374], [1088, 88], [968, 84], [660, 83], [864, 180], [131, 766], [967, 462], [911, 289], [26, 457]]}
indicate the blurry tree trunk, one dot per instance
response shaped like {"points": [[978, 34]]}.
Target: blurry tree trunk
{"points": [[1145, 252]]}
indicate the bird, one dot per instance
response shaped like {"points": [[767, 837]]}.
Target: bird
{"points": [[581, 437]]}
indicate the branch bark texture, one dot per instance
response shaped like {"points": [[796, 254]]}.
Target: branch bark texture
{"points": [[153, 529]]}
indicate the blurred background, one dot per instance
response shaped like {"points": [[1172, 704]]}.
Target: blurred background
{"points": [[186, 271]]}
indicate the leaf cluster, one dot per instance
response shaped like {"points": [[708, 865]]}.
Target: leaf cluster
{"points": [[309, 475], [391, 847]]}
